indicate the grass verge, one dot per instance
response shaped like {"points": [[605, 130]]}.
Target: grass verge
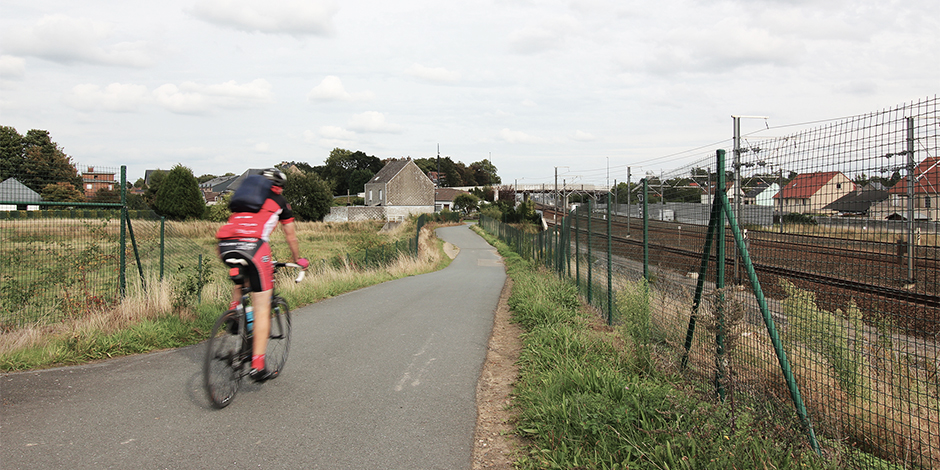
{"points": [[590, 396]]}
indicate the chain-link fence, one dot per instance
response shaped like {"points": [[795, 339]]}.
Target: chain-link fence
{"points": [[805, 283]]}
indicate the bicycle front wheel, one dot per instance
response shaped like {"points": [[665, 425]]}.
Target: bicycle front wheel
{"points": [[225, 359], [275, 357]]}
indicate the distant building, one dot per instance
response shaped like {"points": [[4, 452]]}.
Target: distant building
{"points": [[398, 190], [926, 191], [94, 181], [762, 194], [859, 202], [11, 190], [216, 187], [809, 193], [444, 198]]}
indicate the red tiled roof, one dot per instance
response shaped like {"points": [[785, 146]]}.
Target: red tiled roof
{"points": [[805, 185], [928, 178]]}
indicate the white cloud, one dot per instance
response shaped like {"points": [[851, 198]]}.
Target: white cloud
{"points": [[194, 98], [332, 89], [529, 103], [67, 40], [298, 17], [262, 147], [116, 97], [737, 45], [547, 35], [433, 74], [582, 136], [336, 133], [519, 137], [331, 137], [12, 68], [372, 121]]}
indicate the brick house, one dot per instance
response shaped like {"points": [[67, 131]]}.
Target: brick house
{"points": [[810, 193], [94, 181]]}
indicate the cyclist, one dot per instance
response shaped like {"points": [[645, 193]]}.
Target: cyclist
{"points": [[246, 236]]}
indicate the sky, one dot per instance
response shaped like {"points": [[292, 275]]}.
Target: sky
{"points": [[580, 88]]}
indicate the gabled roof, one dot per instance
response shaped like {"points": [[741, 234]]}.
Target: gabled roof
{"points": [[218, 184], [392, 168], [13, 191], [858, 202], [761, 187], [806, 185], [927, 176], [233, 186], [447, 194]]}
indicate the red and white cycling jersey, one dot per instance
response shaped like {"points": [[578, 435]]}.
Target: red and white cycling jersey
{"points": [[258, 224]]}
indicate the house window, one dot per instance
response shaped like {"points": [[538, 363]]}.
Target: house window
{"points": [[370, 194], [927, 202], [88, 186], [380, 194], [838, 185]]}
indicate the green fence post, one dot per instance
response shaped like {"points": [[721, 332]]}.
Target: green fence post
{"points": [[199, 291], [590, 214], [646, 232], [162, 244], [140, 268], [123, 257], [771, 328], [577, 248], [720, 280], [610, 268]]}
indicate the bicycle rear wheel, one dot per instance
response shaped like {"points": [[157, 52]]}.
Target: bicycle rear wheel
{"points": [[275, 357], [225, 360]]}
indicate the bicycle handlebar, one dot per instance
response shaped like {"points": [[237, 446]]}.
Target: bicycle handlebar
{"points": [[300, 277]]}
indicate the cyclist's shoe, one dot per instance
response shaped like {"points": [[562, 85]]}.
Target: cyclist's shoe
{"points": [[262, 375]]}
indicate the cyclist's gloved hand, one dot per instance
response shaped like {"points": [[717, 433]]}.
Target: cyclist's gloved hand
{"points": [[303, 262]]}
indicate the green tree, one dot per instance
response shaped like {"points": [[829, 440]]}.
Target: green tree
{"points": [[150, 196], [107, 195], [484, 172], [35, 160], [348, 171], [466, 203], [135, 202], [308, 195], [219, 212], [62, 192], [179, 197], [11, 153], [204, 178]]}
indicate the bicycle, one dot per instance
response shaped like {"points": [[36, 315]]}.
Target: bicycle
{"points": [[228, 351]]}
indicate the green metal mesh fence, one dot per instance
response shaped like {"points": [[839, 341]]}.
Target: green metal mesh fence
{"points": [[841, 229], [66, 252], [61, 250]]}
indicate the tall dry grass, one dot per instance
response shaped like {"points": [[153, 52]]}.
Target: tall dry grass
{"points": [[890, 406]]}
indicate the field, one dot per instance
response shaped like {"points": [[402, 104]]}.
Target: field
{"points": [[60, 280]]}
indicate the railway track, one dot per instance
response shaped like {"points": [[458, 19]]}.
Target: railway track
{"points": [[872, 274]]}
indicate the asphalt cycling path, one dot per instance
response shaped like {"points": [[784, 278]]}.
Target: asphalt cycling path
{"points": [[380, 378]]}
